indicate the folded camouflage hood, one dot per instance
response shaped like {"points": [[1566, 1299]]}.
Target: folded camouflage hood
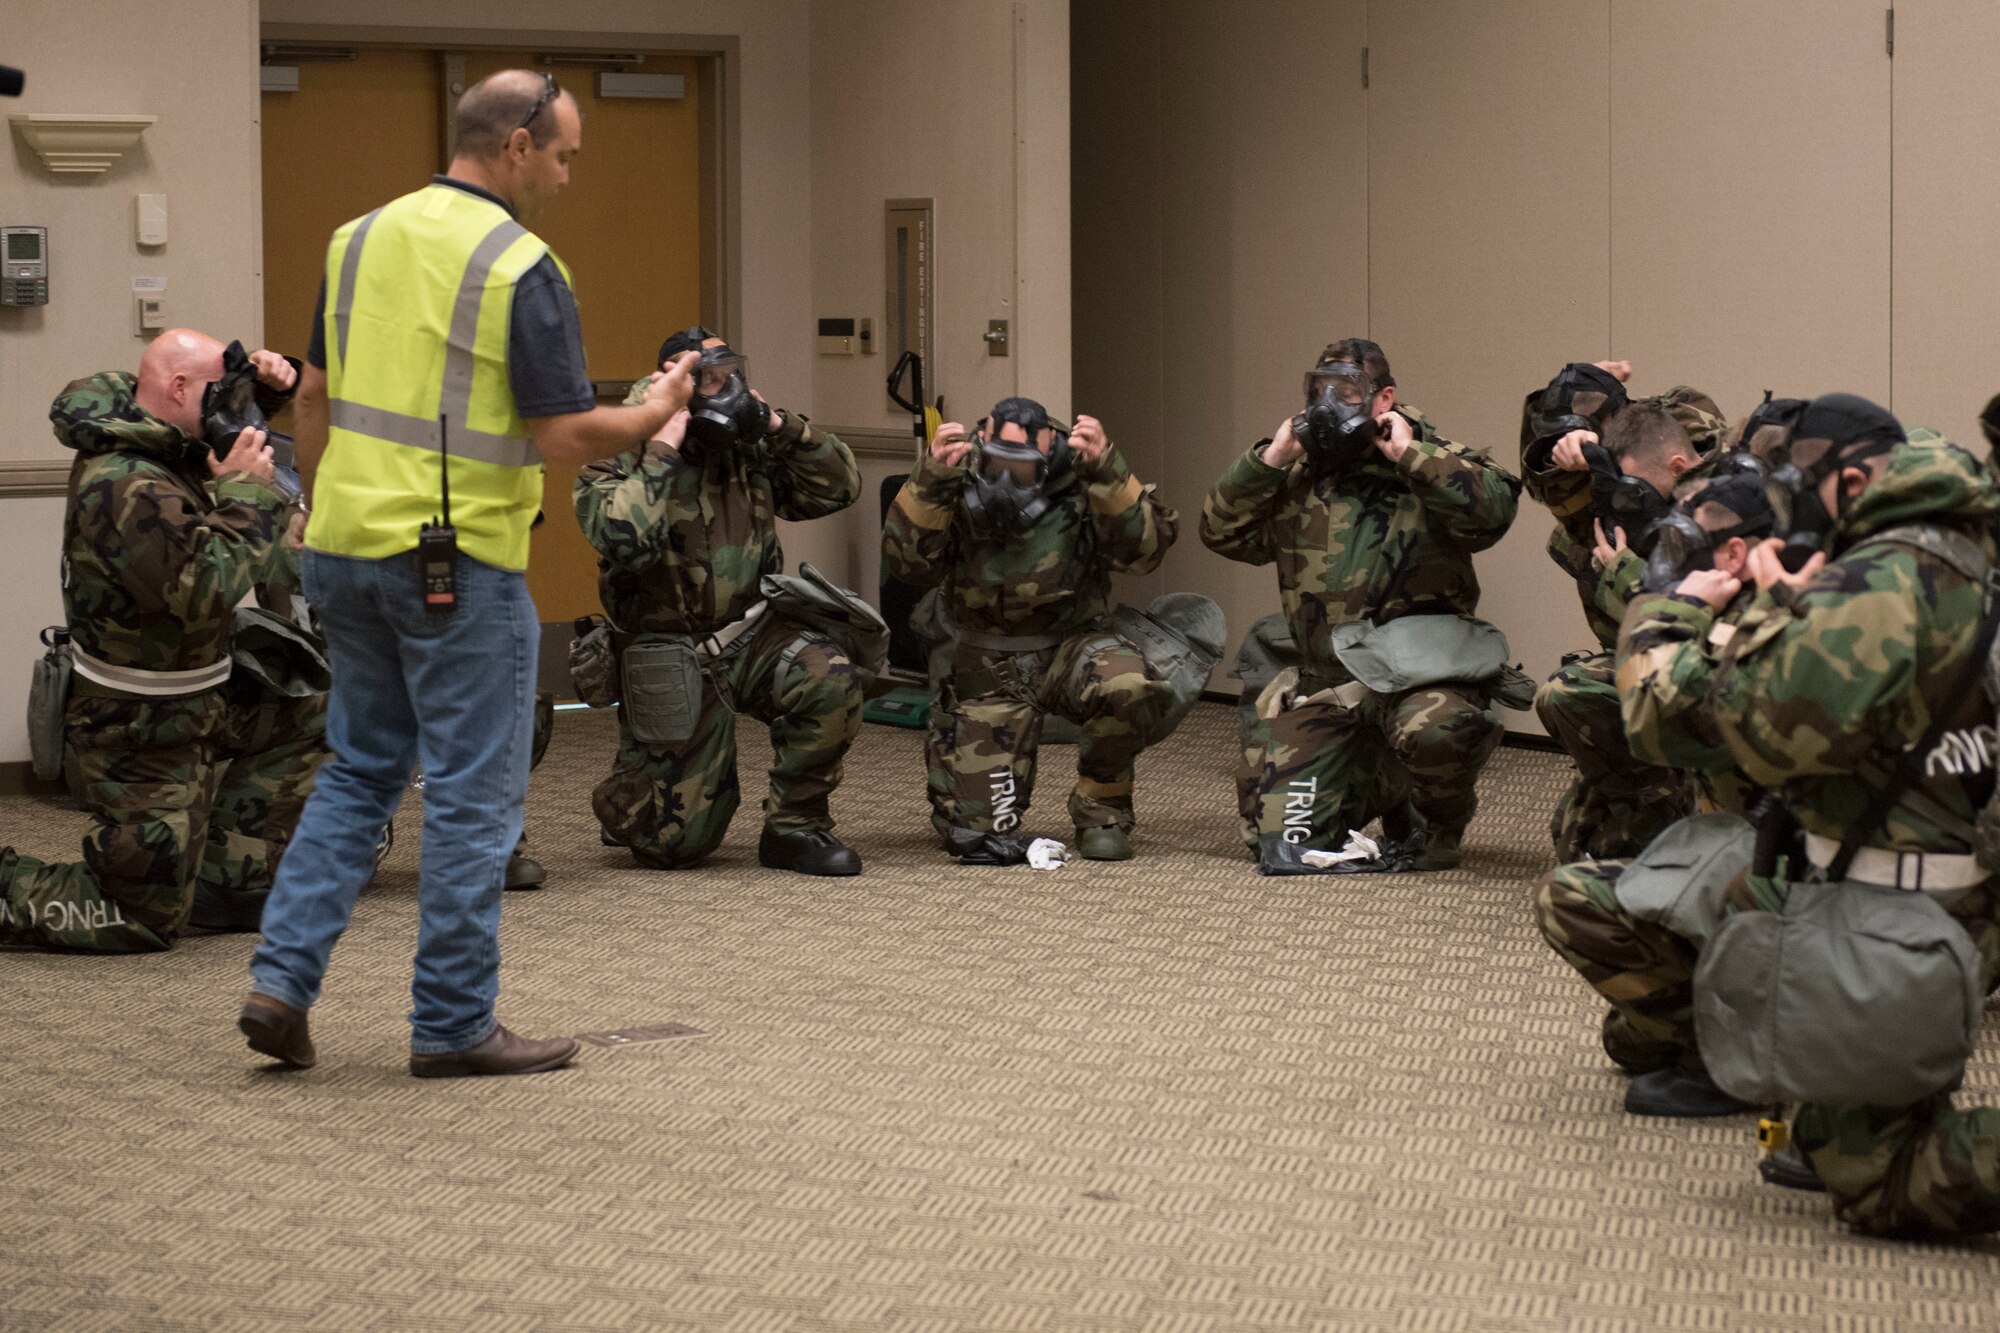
{"points": [[100, 414], [1924, 482]]}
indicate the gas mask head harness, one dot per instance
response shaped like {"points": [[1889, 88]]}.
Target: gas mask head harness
{"points": [[1338, 429], [1727, 500], [723, 413], [1831, 433], [1007, 480], [1581, 397], [229, 407]]}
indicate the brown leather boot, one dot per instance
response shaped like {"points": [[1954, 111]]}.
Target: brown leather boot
{"points": [[501, 1053], [274, 1028]]}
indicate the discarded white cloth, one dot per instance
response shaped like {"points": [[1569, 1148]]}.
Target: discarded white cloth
{"points": [[1047, 854], [1360, 847]]}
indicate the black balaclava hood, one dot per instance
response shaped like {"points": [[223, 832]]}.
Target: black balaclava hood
{"points": [[1834, 431]]}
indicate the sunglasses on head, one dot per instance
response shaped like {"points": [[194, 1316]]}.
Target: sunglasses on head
{"points": [[550, 91]]}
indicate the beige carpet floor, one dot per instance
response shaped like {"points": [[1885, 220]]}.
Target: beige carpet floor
{"points": [[1166, 1095]]}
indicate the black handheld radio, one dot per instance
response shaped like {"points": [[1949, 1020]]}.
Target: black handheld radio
{"points": [[437, 541]]}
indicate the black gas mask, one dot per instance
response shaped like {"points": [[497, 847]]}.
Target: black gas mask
{"points": [[1732, 502], [723, 412], [1835, 431], [1581, 397], [1337, 429], [230, 406], [1632, 505], [1005, 490], [1768, 428]]}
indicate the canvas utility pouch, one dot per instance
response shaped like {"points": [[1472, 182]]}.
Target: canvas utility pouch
{"points": [[661, 688], [1414, 651], [283, 657], [1683, 876], [593, 662], [48, 697], [810, 600], [1181, 636], [1853, 994]]}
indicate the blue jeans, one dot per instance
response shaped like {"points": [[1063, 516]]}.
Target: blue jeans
{"points": [[455, 694]]}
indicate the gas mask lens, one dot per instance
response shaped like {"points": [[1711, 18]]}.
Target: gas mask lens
{"points": [[1010, 462], [717, 366], [1338, 382], [1781, 491], [1682, 544]]}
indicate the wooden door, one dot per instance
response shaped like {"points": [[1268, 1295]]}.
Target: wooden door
{"points": [[629, 227], [354, 136]]}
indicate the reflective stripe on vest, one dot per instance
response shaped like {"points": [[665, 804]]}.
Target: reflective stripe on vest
{"points": [[417, 328]]}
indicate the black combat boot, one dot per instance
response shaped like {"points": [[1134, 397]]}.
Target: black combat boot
{"points": [[226, 913], [813, 851], [1683, 1092], [1790, 1168], [986, 849]]}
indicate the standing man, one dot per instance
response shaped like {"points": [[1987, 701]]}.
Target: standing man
{"points": [[1372, 519], [446, 350]]}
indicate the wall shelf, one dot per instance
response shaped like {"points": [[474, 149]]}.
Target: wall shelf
{"points": [[79, 144]]}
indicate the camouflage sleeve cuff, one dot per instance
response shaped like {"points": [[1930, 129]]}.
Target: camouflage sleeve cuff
{"points": [[1112, 487], [934, 482], [243, 487], [1674, 614], [1251, 472], [793, 432], [1428, 461], [1658, 620]]}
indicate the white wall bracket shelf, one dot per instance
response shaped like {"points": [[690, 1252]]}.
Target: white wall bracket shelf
{"points": [[80, 144]]}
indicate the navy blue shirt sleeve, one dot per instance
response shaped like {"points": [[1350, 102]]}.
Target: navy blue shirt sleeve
{"points": [[316, 344], [545, 346]]}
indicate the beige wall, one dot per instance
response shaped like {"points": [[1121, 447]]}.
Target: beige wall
{"points": [[202, 153], [965, 102], [1545, 181]]}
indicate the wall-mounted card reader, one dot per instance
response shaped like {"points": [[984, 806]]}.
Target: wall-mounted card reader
{"points": [[24, 265], [838, 337]]}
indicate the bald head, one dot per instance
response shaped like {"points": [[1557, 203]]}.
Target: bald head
{"points": [[173, 372], [495, 107]]}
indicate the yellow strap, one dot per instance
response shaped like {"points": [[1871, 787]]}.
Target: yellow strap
{"points": [[921, 512], [1106, 500]]}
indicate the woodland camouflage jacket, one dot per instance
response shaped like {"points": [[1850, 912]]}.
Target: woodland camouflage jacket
{"points": [[157, 552], [1377, 542], [683, 537], [1050, 578], [1819, 693]]}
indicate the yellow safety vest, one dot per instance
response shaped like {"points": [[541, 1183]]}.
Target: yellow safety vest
{"points": [[419, 295]]}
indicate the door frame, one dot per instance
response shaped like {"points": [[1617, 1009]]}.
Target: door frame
{"points": [[719, 62]]}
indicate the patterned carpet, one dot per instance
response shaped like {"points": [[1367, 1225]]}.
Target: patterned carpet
{"points": [[1166, 1095]]}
